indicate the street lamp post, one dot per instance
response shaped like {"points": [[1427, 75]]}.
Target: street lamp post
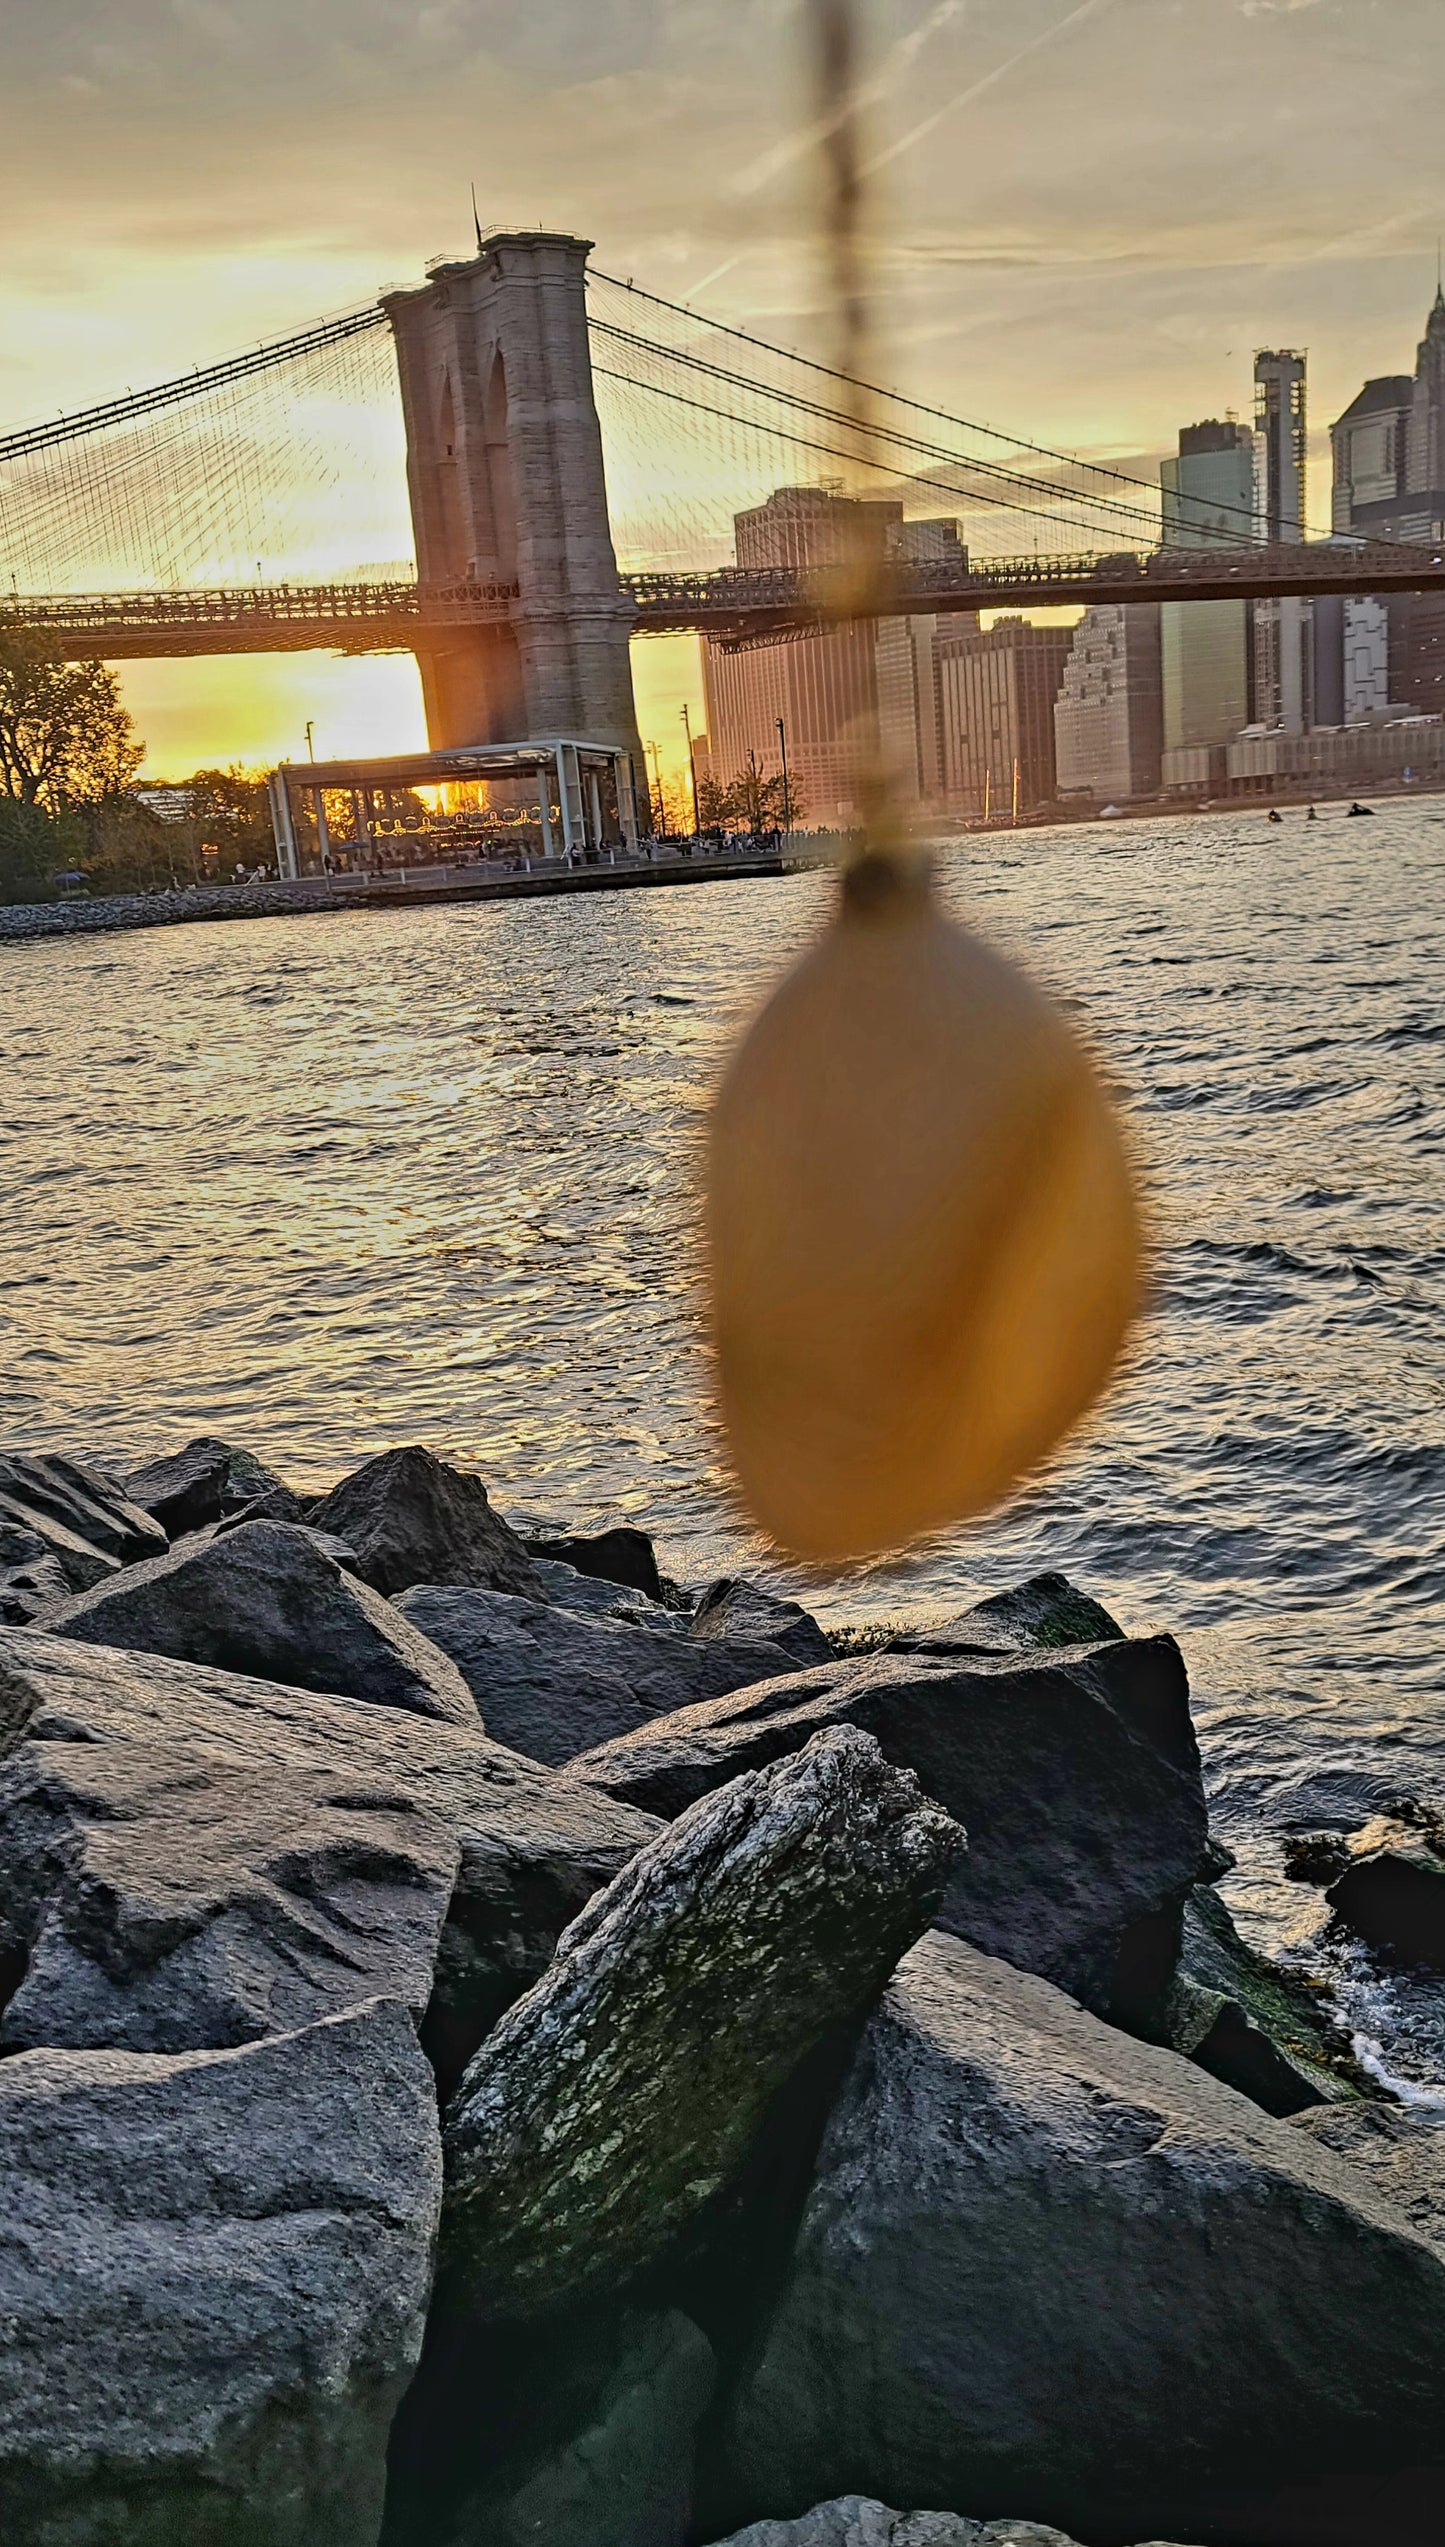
{"points": [[657, 780], [692, 773], [787, 801]]}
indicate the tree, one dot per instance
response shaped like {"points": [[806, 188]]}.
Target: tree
{"points": [[749, 801], [230, 812], [65, 738], [35, 848]]}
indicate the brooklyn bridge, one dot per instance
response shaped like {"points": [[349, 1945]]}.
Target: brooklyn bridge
{"points": [[520, 464]]}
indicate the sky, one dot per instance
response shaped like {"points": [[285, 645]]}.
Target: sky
{"points": [[1090, 213]]}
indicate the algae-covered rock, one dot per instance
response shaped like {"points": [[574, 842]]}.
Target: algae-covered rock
{"points": [[614, 2101], [1045, 1614], [1252, 2024], [1075, 1773]]}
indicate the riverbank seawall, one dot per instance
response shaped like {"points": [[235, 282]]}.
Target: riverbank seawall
{"points": [[23, 922]]}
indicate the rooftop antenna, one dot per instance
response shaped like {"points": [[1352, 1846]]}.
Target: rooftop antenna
{"points": [[476, 217]]}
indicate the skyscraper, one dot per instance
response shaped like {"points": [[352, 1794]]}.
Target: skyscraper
{"points": [[1212, 499], [1282, 627], [996, 697], [1389, 448], [827, 686], [1389, 483], [1107, 729]]}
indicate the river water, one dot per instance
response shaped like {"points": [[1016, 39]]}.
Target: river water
{"points": [[325, 1186]]}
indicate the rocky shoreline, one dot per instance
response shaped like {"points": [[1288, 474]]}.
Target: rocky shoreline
{"points": [[498, 2046]]}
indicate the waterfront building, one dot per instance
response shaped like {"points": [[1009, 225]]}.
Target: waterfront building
{"points": [[997, 690], [1212, 498], [828, 686], [1108, 731], [1391, 752]]}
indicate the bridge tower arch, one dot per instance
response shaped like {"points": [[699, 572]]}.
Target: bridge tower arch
{"points": [[504, 466]]}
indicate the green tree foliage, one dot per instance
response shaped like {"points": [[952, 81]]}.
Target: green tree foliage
{"points": [[68, 752], [65, 738]]}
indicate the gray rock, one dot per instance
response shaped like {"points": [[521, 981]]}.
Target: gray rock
{"points": [[1076, 1776], [623, 1555], [269, 1600], [411, 1520], [625, 2477], [734, 1609], [81, 1520], [280, 1504], [1400, 2147], [624, 2092], [1043, 2263], [854, 2522], [593, 1596], [30, 1577], [214, 2272], [192, 1859], [1046, 1614], [552, 1684], [202, 1483], [1392, 1889], [1252, 2024]]}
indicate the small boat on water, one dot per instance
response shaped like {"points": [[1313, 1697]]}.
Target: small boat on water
{"points": [[1362, 809]]}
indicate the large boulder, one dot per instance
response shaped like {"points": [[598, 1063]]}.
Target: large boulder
{"points": [[615, 2101], [1044, 1614], [201, 1483], [622, 2476], [83, 1520], [737, 1610], [411, 1519], [1043, 2263], [552, 1684], [854, 2522], [1391, 1888], [269, 1599], [623, 1555], [214, 2271], [1252, 2023], [192, 1859], [1075, 1774], [1400, 2147]]}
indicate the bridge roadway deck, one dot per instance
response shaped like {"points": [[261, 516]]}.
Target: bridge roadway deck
{"points": [[737, 607]]}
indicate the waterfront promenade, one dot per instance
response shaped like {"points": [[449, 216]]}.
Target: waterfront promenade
{"points": [[425, 886]]}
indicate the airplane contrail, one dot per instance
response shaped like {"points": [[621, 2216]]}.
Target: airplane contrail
{"points": [[990, 79]]}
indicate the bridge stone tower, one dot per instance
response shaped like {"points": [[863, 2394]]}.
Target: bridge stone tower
{"points": [[504, 464]]}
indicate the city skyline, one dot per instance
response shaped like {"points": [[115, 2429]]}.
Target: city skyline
{"points": [[1075, 248]]}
